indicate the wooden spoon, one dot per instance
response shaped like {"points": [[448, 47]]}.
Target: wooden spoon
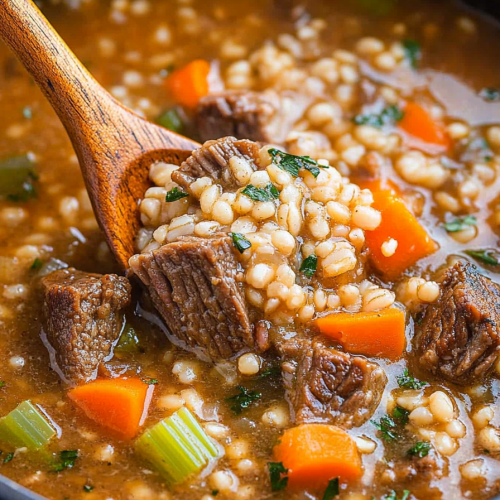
{"points": [[115, 147]]}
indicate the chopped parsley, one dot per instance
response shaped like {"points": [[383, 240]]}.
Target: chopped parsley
{"points": [[170, 119], [67, 459], [409, 382], [486, 256], [276, 470], [332, 490], [243, 400], [267, 193], [8, 457], [401, 415], [150, 381], [309, 265], [393, 496], [88, 488], [490, 94], [37, 264], [17, 178], [460, 223], [269, 372], [386, 427], [2, 383], [388, 116], [292, 163], [413, 52], [420, 449], [175, 194], [240, 242], [215, 493]]}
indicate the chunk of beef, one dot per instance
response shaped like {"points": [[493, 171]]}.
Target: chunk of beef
{"points": [[259, 116], [460, 334], [82, 320], [212, 160], [330, 386], [192, 283], [242, 114]]}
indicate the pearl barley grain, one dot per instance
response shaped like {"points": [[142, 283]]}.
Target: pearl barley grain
{"points": [[249, 364]]}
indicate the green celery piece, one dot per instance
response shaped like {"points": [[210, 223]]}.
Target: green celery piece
{"points": [[26, 427], [129, 341], [17, 175], [177, 446]]}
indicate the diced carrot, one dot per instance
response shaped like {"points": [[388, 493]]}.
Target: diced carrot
{"points": [[120, 404], [316, 453], [189, 83], [419, 123], [399, 224], [374, 333]]}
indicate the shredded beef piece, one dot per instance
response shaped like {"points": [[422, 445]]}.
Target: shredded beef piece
{"points": [[192, 283], [460, 334], [83, 320], [330, 386], [212, 160], [242, 114]]}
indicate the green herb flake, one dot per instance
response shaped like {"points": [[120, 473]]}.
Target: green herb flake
{"points": [[240, 242], [460, 223], [150, 381], [2, 383], [175, 194], [17, 178], [8, 457], [243, 400], [27, 113], [171, 120], [292, 164], [37, 264], [386, 426], [269, 372], [420, 449], [413, 52], [490, 94], [393, 496], [276, 470], [401, 415], [67, 459], [309, 265], [486, 256], [267, 193], [388, 116], [87, 488], [409, 382], [215, 493], [332, 490]]}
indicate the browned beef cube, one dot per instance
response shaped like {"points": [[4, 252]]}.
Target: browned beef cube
{"points": [[192, 283], [212, 160], [460, 334], [83, 320], [242, 114], [330, 386]]}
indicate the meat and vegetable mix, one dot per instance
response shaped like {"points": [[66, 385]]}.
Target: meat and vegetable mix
{"points": [[313, 309]]}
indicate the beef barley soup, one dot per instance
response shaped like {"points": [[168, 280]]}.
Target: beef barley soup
{"points": [[313, 309]]}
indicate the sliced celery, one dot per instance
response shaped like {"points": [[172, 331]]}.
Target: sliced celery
{"points": [[26, 427], [177, 446]]}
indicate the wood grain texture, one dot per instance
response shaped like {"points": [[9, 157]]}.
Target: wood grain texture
{"points": [[115, 147]]}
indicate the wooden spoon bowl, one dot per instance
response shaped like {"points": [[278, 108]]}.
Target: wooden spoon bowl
{"points": [[115, 146]]}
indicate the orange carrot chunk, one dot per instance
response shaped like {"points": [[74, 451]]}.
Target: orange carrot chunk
{"points": [[316, 453], [374, 333], [399, 224], [419, 123], [119, 404], [189, 83]]}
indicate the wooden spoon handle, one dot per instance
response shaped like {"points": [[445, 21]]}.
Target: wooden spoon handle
{"points": [[69, 87]]}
